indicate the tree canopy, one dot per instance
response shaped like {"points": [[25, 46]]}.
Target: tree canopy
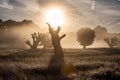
{"points": [[85, 36]]}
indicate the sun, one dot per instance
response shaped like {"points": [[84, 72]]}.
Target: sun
{"points": [[55, 17]]}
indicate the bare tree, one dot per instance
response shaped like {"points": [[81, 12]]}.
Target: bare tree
{"points": [[111, 41], [85, 36], [57, 61], [36, 40], [39, 40]]}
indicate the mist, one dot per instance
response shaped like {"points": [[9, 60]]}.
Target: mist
{"points": [[15, 34]]}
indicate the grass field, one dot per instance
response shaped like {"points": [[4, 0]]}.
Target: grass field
{"points": [[89, 64]]}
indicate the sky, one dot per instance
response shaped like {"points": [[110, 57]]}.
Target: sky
{"points": [[78, 13]]}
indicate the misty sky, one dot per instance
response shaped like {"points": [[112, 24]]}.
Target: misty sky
{"points": [[79, 13]]}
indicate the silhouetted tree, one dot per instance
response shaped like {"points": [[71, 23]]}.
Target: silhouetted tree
{"points": [[46, 41], [36, 40], [1, 21], [111, 41], [85, 36], [57, 61], [100, 32], [39, 40], [12, 23]]}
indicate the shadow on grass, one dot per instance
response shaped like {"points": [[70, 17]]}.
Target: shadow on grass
{"points": [[11, 74], [15, 73], [44, 74], [87, 72]]}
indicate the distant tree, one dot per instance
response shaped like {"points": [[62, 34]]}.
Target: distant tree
{"points": [[85, 36], [111, 41], [46, 41], [1, 21], [36, 41], [9, 23], [39, 40], [13, 23], [100, 32], [26, 21]]}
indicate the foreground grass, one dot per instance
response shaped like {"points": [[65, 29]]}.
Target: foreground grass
{"points": [[90, 64]]}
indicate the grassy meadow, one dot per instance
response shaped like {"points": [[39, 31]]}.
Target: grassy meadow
{"points": [[89, 64]]}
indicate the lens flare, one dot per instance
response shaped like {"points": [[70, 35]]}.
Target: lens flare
{"points": [[55, 17]]}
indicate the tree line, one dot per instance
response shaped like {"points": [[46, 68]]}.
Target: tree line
{"points": [[85, 36], [12, 23]]}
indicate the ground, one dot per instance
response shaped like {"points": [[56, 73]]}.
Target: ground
{"points": [[89, 64]]}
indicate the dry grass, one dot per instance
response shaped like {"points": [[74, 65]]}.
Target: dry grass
{"points": [[90, 64]]}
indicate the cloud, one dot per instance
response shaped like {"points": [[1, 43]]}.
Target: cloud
{"points": [[16, 3], [4, 4], [18, 9], [10, 4], [78, 12]]}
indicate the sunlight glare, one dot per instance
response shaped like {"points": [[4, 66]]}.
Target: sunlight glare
{"points": [[55, 17]]}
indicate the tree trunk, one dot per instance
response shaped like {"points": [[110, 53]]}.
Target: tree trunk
{"points": [[57, 60], [84, 47], [111, 46]]}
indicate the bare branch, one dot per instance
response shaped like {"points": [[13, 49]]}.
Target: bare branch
{"points": [[40, 44], [33, 37], [50, 28], [115, 43], [58, 29], [62, 36], [28, 43], [48, 24], [107, 40], [111, 41]]}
